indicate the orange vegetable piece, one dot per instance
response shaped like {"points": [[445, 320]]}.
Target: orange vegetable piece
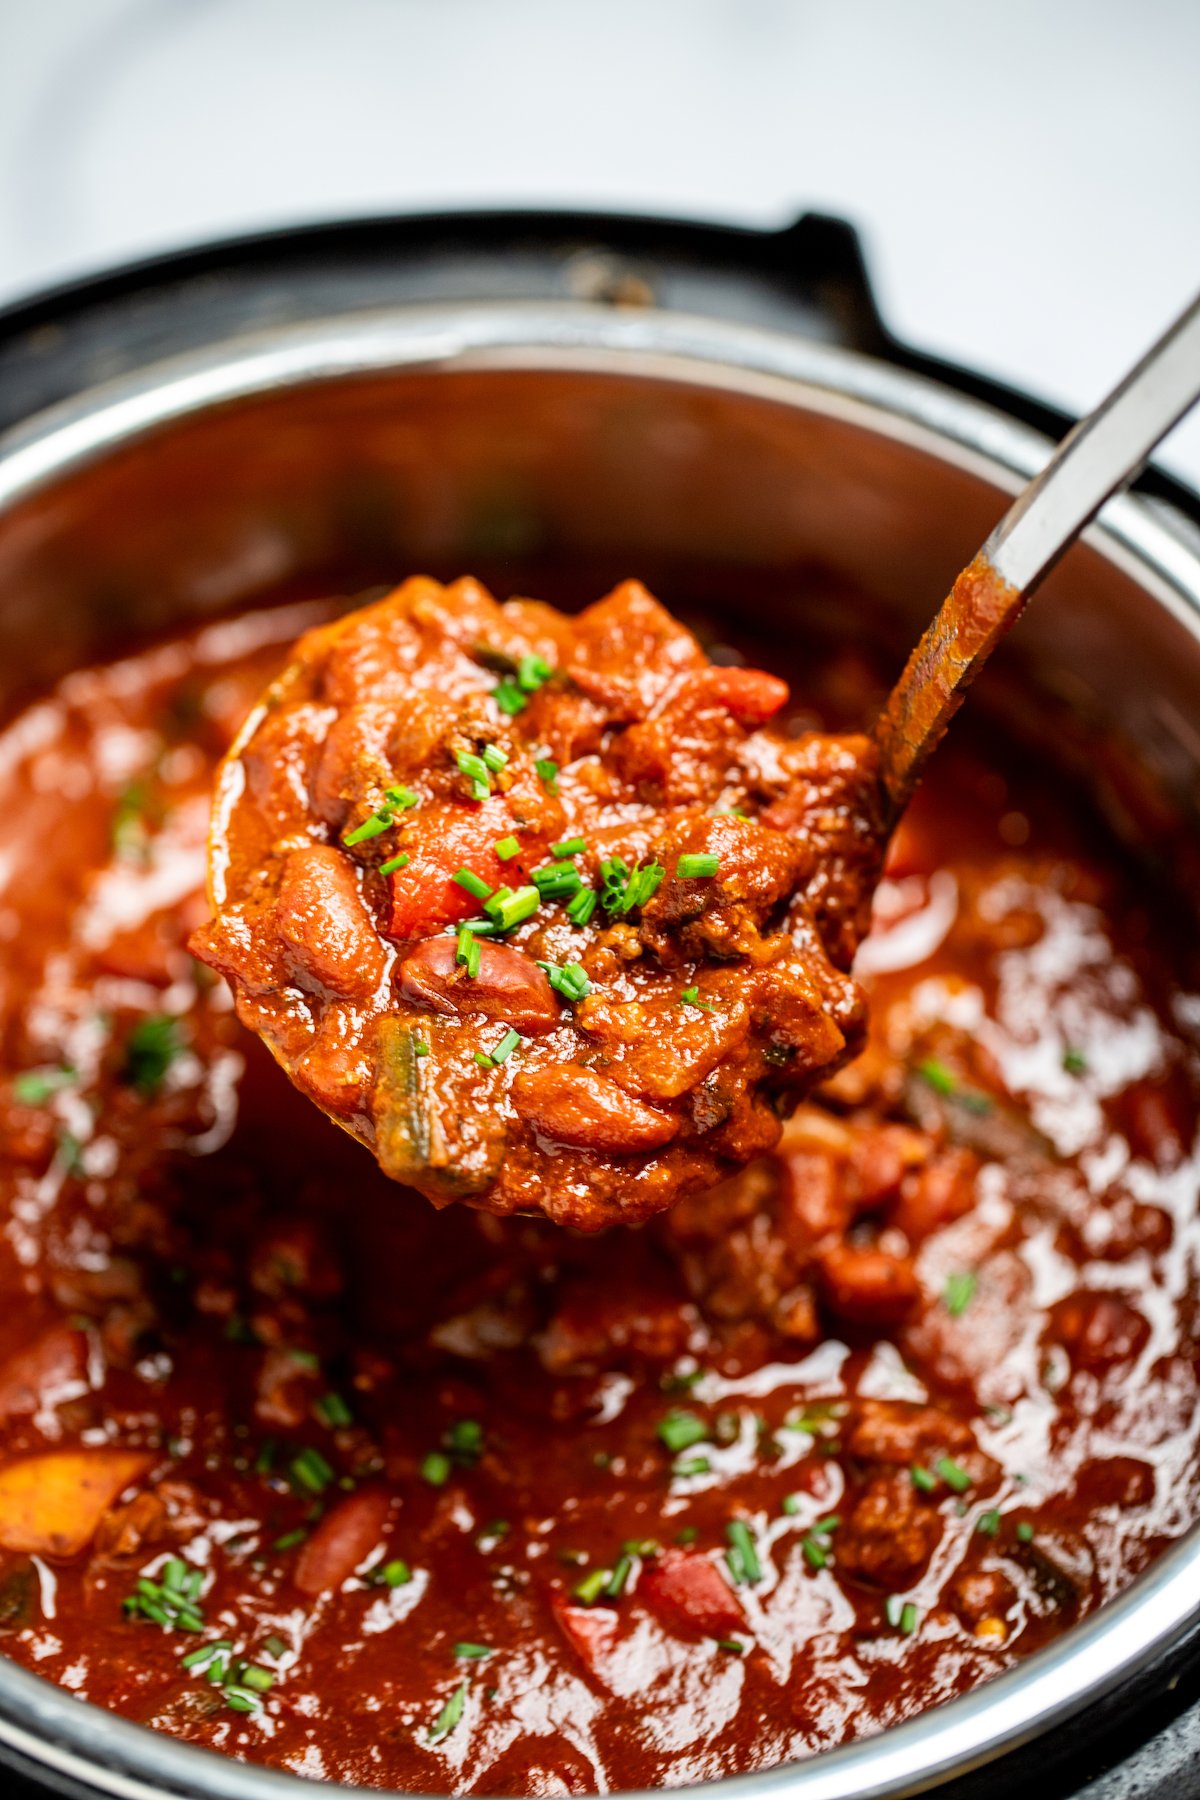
{"points": [[50, 1505]]}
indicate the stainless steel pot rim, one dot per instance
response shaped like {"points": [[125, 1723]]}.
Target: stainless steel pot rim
{"points": [[44, 1723]]}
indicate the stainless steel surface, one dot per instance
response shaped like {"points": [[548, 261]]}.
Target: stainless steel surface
{"points": [[620, 442], [1102, 454]]}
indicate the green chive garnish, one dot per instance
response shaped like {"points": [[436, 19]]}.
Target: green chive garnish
{"points": [[506, 848], [557, 881], [393, 863], [693, 1465], [484, 1060], [507, 909], [592, 1586], [679, 1430], [468, 952], [790, 1504], [509, 698], [615, 1586], [533, 672], [742, 1556], [332, 1410], [310, 1470], [476, 772], [574, 846], [373, 827], [474, 884], [547, 772], [35, 1086], [953, 1474], [988, 1523], [393, 1574], [815, 1552], [922, 1480], [506, 1046], [473, 1652], [495, 758], [959, 1292], [686, 1536], [450, 1715], [570, 981], [436, 1469], [1075, 1062], [697, 865], [581, 908]]}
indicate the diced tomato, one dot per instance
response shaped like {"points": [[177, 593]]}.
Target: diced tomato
{"points": [[425, 895], [751, 695], [591, 1631], [689, 1593]]}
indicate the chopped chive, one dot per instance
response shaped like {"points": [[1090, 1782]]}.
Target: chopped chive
{"points": [[694, 1465], [790, 1504], [733, 1645], [574, 846], [495, 758], [509, 698], [275, 1647], [37, 1085], [533, 672], [473, 1652], [691, 997], [464, 1439], [260, 1680], [509, 909], [742, 1555], [506, 1046], [373, 827], [679, 1430], [626, 888], [484, 1060], [150, 1049], [901, 1615], [697, 865], [474, 884], [436, 1468], [937, 1076], [615, 1586], [290, 1539], [547, 773], [1025, 1532], [687, 1535], [450, 1715], [310, 1470], [393, 1574], [506, 848], [953, 1474], [571, 980], [400, 798], [814, 1550], [581, 908], [394, 863], [557, 881], [420, 1047], [205, 1652], [959, 1291], [988, 1523], [922, 1480], [492, 1534], [1075, 1062], [332, 1410], [592, 1586], [468, 952], [476, 772]]}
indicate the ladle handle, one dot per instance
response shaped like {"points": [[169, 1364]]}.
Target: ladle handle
{"points": [[1101, 455]]}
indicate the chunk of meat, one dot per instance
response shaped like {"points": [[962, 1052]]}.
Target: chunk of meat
{"points": [[689, 1594], [51, 1505], [890, 1533], [509, 986], [1099, 1328], [575, 1105], [52, 1366], [322, 919], [892, 1431], [868, 1285], [342, 1540]]}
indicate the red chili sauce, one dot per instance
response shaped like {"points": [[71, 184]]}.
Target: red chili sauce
{"points": [[297, 1467]]}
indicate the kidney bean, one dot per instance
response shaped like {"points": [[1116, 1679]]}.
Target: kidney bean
{"points": [[342, 1540], [509, 985], [322, 919], [574, 1105]]}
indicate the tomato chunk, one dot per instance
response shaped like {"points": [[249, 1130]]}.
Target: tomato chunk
{"points": [[424, 894], [689, 1593]]}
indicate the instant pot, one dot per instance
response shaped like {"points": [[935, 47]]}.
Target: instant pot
{"points": [[721, 412]]}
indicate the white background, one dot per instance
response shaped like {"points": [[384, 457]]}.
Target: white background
{"points": [[1026, 173]]}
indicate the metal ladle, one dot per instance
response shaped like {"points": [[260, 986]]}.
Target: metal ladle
{"points": [[1102, 455]]}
